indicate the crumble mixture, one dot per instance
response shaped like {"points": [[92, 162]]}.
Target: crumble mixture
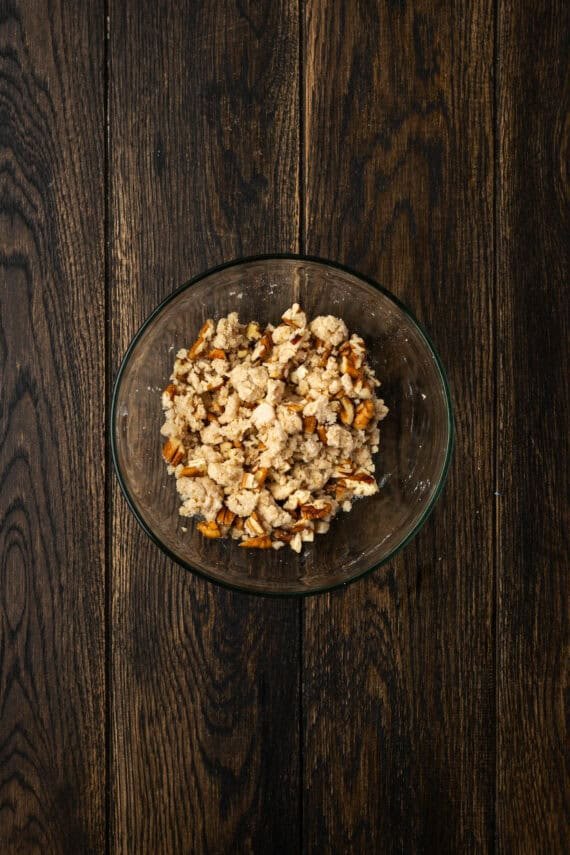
{"points": [[270, 432]]}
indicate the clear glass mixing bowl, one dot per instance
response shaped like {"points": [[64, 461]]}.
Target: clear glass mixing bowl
{"points": [[415, 444]]}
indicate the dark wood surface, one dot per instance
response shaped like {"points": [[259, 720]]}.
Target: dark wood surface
{"points": [[422, 709], [205, 683], [533, 484], [405, 194], [52, 404]]}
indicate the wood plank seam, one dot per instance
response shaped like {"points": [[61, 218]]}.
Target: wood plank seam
{"points": [[109, 474], [496, 374]]}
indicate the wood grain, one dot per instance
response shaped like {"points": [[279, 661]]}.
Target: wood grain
{"points": [[52, 749], [533, 225], [398, 681], [204, 167]]}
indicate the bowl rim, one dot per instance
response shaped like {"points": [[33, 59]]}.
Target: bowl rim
{"points": [[283, 256]]}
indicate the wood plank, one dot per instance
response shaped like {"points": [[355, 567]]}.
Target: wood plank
{"points": [[398, 682], [52, 381], [533, 475], [204, 167]]}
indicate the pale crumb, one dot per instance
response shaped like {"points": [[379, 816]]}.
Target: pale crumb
{"points": [[296, 542], [270, 432]]}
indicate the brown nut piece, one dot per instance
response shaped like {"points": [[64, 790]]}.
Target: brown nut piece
{"points": [[346, 414], [173, 451], [206, 329], [340, 490], [171, 390], [216, 353], [364, 477], [260, 475], [252, 525], [253, 333], [266, 343], [201, 342], [322, 433], [282, 534], [263, 348], [364, 415], [209, 529], [225, 517], [191, 472], [262, 542], [350, 362], [310, 512], [197, 348], [309, 424]]}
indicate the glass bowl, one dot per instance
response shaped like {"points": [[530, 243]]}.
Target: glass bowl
{"points": [[415, 441]]}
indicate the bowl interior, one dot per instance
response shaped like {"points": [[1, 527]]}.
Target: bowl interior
{"points": [[415, 441]]}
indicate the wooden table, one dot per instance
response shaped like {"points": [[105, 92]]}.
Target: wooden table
{"points": [[143, 710]]}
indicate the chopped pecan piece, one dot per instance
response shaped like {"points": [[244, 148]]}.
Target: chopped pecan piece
{"points": [[206, 329], [339, 490], [197, 348], [216, 353], [173, 451], [310, 512], [253, 333], [263, 348], [202, 341], [252, 525], [260, 475], [346, 414], [191, 471], [225, 517], [309, 424], [171, 390], [261, 542], [209, 529], [364, 415], [360, 476]]}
